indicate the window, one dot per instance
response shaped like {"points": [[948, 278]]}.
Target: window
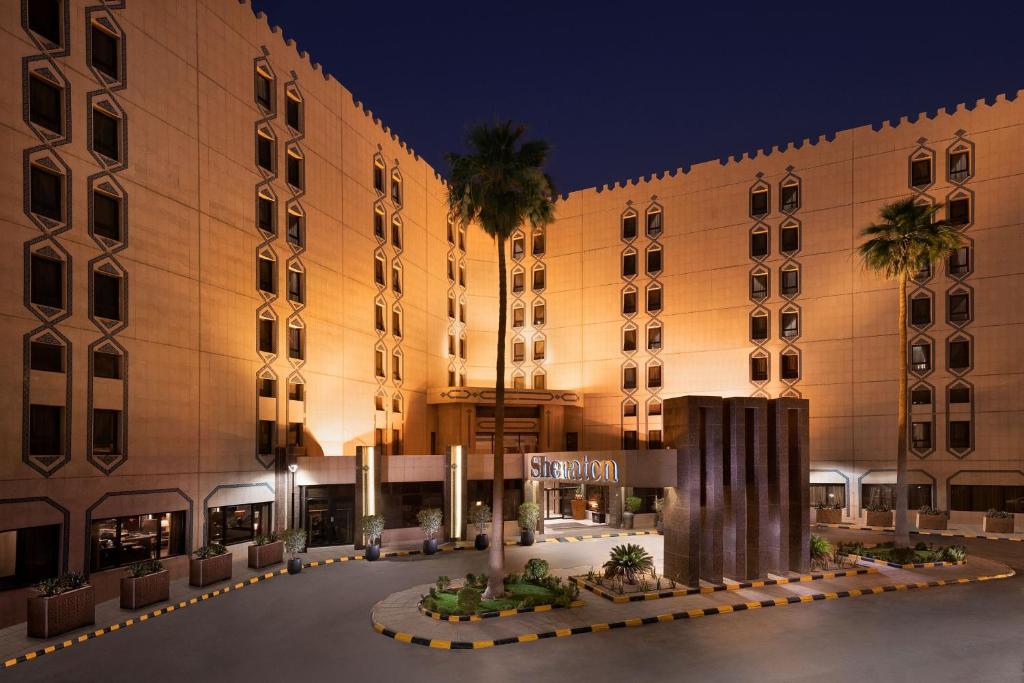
{"points": [[293, 112], [462, 346], [266, 216], [105, 134], [921, 172], [959, 166], [629, 302], [654, 408], [759, 201], [230, 524], [264, 91], [396, 188], [538, 242], [959, 211], [885, 494], [959, 394], [266, 274], [789, 238], [106, 296], [29, 555], [518, 280], [654, 376], [266, 437], [294, 435], [921, 435], [45, 105], [396, 278], [789, 197], [834, 494], [629, 339], [959, 307], [396, 366], [46, 430], [653, 260], [982, 498], [790, 366], [920, 311], [629, 226], [296, 286], [294, 170], [123, 540], [629, 440], [654, 439], [266, 387], [759, 369], [46, 199], [759, 326], [759, 243], [462, 311], [539, 380], [378, 176], [47, 357], [296, 346], [106, 365], [104, 55], [451, 344], [378, 270], [296, 233], [538, 278], [538, 349], [960, 261], [921, 357], [629, 264], [924, 270], [378, 317], [378, 230], [518, 380], [47, 285], [44, 19], [106, 215], [451, 269], [790, 281], [654, 222], [959, 354], [267, 335], [653, 298], [462, 274], [400, 501], [653, 337], [518, 351], [462, 239], [518, 247], [378, 363], [759, 286], [629, 409], [265, 152], [789, 324], [106, 431], [629, 377], [518, 315], [921, 396], [539, 313], [396, 404], [396, 232]]}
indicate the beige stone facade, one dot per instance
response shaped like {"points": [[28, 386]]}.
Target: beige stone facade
{"points": [[199, 93]]}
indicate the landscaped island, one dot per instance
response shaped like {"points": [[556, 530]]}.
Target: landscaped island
{"points": [[533, 588], [919, 554]]}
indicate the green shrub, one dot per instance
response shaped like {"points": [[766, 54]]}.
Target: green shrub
{"points": [[878, 507], [373, 527], [903, 555], [294, 541], [929, 510], [535, 569], [921, 545], [430, 520], [61, 584], [430, 603], [998, 514], [633, 504], [442, 583], [480, 516], [207, 551], [529, 514], [264, 539], [953, 553], [851, 548], [478, 581], [527, 602], [144, 567], [628, 562], [467, 600], [821, 550], [828, 506]]}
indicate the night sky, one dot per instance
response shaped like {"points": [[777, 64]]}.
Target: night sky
{"points": [[627, 89]]}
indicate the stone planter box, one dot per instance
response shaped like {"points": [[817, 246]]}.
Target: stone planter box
{"points": [[579, 508], [266, 555], [933, 522], [879, 518], [210, 570], [644, 520], [57, 614], [997, 525], [140, 591], [823, 516]]}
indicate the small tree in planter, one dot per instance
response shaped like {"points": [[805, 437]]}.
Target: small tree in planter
{"points": [[265, 551], [480, 515], [373, 527], [63, 603], [997, 522], [294, 543], [632, 506], [529, 515], [931, 518], [147, 582], [828, 513], [822, 552], [211, 563], [430, 520]]}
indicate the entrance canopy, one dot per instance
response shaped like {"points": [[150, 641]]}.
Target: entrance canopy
{"points": [[654, 469]]}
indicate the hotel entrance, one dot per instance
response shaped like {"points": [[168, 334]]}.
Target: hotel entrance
{"points": [[330, 514], [558, 502]]}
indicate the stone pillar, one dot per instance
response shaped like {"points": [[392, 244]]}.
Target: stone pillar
{"points": [[455, 493], [616, 500], [368, 477], [789, 473], [745, 425]]}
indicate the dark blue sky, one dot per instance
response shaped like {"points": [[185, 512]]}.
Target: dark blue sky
{"points": [[631, 88]]}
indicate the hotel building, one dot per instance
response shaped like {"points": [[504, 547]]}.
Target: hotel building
{"points": [[217, 263]]}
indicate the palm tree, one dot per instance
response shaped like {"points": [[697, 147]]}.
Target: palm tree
{"points": [[500, 184], [907, 240]]}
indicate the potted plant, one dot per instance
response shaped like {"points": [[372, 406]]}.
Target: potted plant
{"points": [[480, 516], [147, 582], [632, 506], [211, 563], [430, 520], [930, 518], [828, 513], [877, 514], [373, 527], [579, 506], [998, 522], [63, 603], [265, 551], [294, 543], [529, 515], [659, 514]]}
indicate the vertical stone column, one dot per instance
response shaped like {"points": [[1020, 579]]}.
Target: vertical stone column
{"points": [[368, 478], [455, 493], [616, 500], [745, 425], [789, 472]]}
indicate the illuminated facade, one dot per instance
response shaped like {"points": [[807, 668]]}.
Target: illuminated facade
{"points": [[218, 263]]}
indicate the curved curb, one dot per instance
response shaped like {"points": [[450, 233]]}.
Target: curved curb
{"points": [[494, 614], [584, 537], [945, 534], [674, 616], [683, 592], [912, 565]]}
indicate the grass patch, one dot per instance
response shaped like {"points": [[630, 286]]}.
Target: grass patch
{"points": [[921, 553], [517, 592]]}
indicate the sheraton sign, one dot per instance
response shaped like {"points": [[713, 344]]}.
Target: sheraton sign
{"points": [[575, 469]]}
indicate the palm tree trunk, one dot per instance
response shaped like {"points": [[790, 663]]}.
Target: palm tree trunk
{"points": [[902, 531], [496, 556]]}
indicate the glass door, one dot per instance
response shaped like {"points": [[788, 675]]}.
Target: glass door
{"points": [[330, 514]]}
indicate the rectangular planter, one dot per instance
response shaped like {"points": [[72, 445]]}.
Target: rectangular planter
{"points": [[57, 614], [579, 508], [210, 570], [879, 518], [644, 520], [933, 522], [997, 525], [823, 516], [140, 591], [266, 555]]}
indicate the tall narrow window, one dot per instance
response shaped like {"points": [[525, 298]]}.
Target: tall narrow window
{"points": [[790, 366], [921, 435], [378, 364], [960, 261], [518, 280], [629, 377], [104, 55], [396, 366], [47, 199], [539, 380], [654, 225], [106, 134], [759, 369], [959, 166], [920, 311], [759, 201], [267, 327], [789, 238], [106, 431], [396, 188], [538, 349], [759, 243], [46, 430], [378, 223], [629, 264], [266, 387], [959, 354], [654, 336], [538, 242], [106, 215], [759, 326], [630, 441], [538, 278], [539, 313], [789, 324], [265, 151], [463, 350], [106, 365], [44, 18], [654, 376], [378, 176], [789, 284], [518, 247], [264, 90], [920, 357], [378, 317], [293, 112], [396, 321], [296, 231], [266, 215], [629, 226], [47, 281], [921, 171], [396, 232], [295, 174], [759, 286], [378, 270], [518, 380], [294, 437], [518, 351], [296, 286], [296, 345], [265, 437], [396, 278], [959, 307], [451, 306], [106, 296], [959, 211], [959, 434], [266, 279], [47, 357], [462, 239], [653, 260], [518, 315], [653, 298], [629, 302], [45, 105], [462, 274], [789, 197], [629, 339]]}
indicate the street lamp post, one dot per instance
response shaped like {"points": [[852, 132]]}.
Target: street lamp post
{"points": [[292, 468]]}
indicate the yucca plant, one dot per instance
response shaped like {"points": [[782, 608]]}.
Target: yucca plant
{"points": [[821, 551], [628, 563]]}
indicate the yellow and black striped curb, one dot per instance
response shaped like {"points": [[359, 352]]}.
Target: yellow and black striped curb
{"points": [[586, 537], [673, 616], [495, 614], [582, 582], [896, 565], [944, 534]]}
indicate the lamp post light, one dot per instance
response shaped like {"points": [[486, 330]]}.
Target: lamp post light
{"points": [[292, 468]]}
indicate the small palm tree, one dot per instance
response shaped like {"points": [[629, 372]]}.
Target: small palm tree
{"points": [[628, 562], [907, 240], [500, 184]]}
